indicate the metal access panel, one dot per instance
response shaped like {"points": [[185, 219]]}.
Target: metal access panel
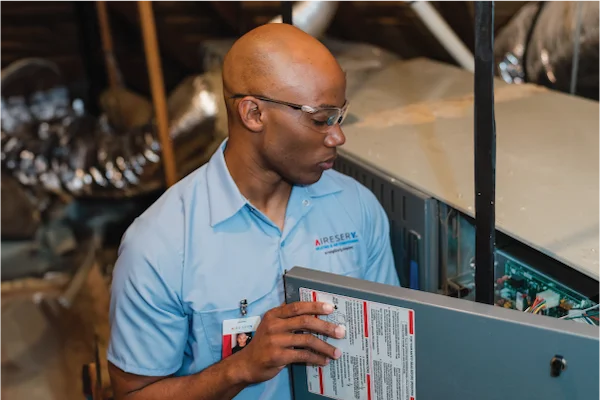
{"points": [[456, 349], [413, 223]]}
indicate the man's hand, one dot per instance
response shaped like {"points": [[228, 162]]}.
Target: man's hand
{"points": [[275, 344]]}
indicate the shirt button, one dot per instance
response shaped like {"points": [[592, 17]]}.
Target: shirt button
{"points": [[305, 203]]}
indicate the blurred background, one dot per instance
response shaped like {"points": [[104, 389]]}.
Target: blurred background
{"points": [[105, 104], [67, 33]]}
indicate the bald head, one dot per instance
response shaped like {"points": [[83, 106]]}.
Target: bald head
{"points": [[267, 73], [279, 60]]}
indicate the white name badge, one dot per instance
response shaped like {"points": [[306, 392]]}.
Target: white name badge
{"points": [[237, 334]]}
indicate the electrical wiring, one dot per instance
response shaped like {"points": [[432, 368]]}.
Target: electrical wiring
{"points": [[540, 305], [531, 306], [590, 308], [587, 317], [583, 311], [537, 305], [594, 314]]}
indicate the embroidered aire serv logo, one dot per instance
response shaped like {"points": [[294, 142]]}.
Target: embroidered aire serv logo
{"points": [[333, 241]]}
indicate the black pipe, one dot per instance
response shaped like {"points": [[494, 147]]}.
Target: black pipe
{"points": [[286, 12], [485, 153]]}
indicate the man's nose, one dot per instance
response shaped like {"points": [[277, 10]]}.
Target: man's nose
{"points": [[335, 137]]}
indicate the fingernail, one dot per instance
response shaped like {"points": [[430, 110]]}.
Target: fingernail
{"points": [[337, 353], [340, 331], [327, 361], [327, 308]]}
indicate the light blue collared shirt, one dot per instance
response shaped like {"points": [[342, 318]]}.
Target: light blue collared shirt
{"points": [[186, 263]]}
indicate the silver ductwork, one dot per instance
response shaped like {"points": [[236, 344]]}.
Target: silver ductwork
{"points": [[313, 17], [50, 142], [552, 44]]}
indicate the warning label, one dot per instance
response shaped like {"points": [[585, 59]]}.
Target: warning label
{"points": [[378, 351]]}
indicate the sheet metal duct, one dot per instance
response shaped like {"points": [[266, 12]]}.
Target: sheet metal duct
{"points": [[313, 17]]}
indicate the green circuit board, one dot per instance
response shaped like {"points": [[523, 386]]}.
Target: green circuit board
{"points": [[518, 285]]}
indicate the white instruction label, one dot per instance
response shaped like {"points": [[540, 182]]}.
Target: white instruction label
{"points": [[378, 351]]}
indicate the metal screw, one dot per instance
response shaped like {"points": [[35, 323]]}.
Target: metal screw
{"points": [[557, 365]]}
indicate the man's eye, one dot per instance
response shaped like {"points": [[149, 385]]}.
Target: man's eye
{"points": [[319, 123]]}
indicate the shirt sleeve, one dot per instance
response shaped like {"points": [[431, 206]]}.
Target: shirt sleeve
{"points": [[381, 267], [148, 325]]}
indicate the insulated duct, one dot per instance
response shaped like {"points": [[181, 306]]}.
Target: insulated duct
{"points": [[49, 141], [538, 45], [313, 17]]}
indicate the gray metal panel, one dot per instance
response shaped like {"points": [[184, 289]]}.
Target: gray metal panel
{"points": [[468, 350], [410, 212]]}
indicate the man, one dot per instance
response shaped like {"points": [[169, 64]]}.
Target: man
{"points": [[215, 246], [242, 340]]}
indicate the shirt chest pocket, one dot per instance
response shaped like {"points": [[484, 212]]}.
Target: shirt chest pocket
{"points": [[211, 320]]}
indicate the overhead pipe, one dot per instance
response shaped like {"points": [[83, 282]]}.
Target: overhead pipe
{"points": [[313, 17], [442, 31]]}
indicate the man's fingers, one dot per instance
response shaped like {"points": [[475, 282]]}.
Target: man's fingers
{"points": [[303, 308], [315, 325], [310, 342], [292, 356]]}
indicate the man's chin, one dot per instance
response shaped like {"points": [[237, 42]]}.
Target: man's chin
{"points": [[310, 180]]}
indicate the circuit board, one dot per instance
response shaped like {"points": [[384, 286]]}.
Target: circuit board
{"points": [[522, 288]]}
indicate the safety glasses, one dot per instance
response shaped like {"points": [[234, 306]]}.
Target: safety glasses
{"points": [[322, 119]]}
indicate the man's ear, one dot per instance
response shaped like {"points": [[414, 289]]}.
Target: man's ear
{"points": [[251, 114]]}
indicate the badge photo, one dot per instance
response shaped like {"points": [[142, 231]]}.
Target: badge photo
{"points": [[237, 334]]}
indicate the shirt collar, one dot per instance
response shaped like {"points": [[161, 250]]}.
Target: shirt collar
{"points": [[224, 197], [324, 186]]}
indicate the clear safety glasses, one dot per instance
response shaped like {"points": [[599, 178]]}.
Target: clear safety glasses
{"points": [[322, 119]]}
